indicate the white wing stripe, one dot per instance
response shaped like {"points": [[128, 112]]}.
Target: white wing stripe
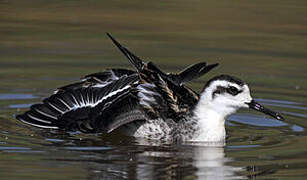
{"points": [[45, 114], [82, 100], [40, 126], [40, 120], [101, 85], [64, 103], [92, 99], [87, 98], [92, 102], [110, 94], [56, 108], [76, 102]]}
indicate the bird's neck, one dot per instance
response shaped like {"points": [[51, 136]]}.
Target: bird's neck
{"points": [[210, 121]]}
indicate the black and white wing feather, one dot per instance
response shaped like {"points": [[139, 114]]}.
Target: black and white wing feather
{"points": [[79, 108], [99, 79]]}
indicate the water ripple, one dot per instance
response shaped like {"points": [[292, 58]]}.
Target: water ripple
{"points": [[13, 148], [295, 114], [16, 106], [278, 101], [94, 148], [256, 120], [17, 96], [282, 103]]}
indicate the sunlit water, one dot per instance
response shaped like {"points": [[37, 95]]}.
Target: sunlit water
{"points": [[45, 45]]}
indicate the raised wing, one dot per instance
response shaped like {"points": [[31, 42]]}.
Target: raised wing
{"points": [[107, 100], [190, 73], [80, 109], [99, 79]]}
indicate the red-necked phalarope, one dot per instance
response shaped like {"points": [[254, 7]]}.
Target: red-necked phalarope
{"points": [[146, 103]]}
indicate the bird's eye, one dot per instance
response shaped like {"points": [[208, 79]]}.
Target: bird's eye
{"points": [[233, 90]]}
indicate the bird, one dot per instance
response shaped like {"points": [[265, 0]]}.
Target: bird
{"points": [[146, 102]]}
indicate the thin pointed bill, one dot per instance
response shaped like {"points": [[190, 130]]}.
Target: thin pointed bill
{"points": [[258, 107]]}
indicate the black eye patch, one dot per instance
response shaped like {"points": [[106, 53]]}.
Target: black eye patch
{"points": [[233, 90], [230, 90]]}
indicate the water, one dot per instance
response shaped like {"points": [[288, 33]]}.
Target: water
{"points": [[49, 44]]}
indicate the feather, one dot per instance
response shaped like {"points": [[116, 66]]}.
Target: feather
{"points": [[134, 60], [72, 109], [195, 71]]}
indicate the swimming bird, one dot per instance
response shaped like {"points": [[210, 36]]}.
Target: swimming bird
{"points": [[146, 103]]}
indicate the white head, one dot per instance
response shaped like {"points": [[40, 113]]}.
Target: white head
{"points": [[222, 96], [226, 94]]}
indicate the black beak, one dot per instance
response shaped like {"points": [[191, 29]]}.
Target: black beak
{"points": [[256, 106]]}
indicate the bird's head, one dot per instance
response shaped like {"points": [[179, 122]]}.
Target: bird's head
{"points": [[226, 94]]}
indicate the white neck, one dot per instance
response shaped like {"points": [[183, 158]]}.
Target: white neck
{"points": [[211, 120]]}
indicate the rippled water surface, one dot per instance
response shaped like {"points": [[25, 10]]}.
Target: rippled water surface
{"points": [[47, 44]]}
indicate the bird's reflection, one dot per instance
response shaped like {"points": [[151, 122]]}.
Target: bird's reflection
{"points": [[211, 163], [155, 160], [119, 157]]}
